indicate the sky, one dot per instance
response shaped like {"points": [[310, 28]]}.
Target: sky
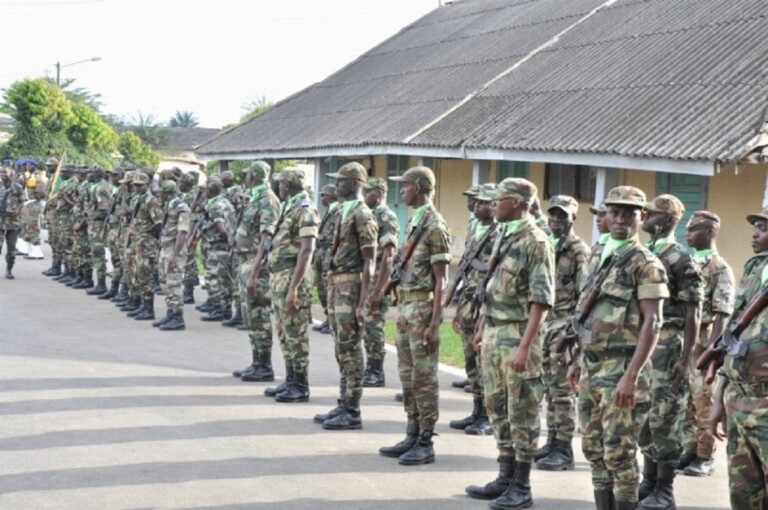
{"points": [[210, 57]]}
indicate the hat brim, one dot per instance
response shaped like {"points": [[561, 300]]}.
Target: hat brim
{"points": [[398, 179], [334, 175], [630, 203], [562, 208], [752, 218]]}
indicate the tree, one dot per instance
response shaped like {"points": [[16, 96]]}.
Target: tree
{"points": [[183, 118], [78, 94], [136, 152], [146, 127], [256, 107]]}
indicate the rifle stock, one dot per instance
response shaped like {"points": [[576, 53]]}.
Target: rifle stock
{"points": [[466, 263], [402, 258]]}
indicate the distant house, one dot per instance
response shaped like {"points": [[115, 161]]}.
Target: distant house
{"points": [[181, 148], [578, 96]]}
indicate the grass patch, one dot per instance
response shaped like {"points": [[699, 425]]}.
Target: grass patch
{"points": [[451, 347]]}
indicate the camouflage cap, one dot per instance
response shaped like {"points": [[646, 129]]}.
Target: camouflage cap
{"points": [[227, 174], [353, 170], [752, 218], [626, 195], [68, 168], [486, 192], [214, 182], [190, 177], [168, 186], [707, 218], [669, 204], [261, 169], [293, 175], [515, 187], [420, 175], [376, 183], [472, 191], [52, 162], [565, 203], [600, 209], [328, 189], [127, 178], [140, 178]]}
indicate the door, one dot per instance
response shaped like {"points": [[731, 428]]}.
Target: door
{"points": [[692, 192]]}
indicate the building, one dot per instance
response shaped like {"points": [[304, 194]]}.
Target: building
{"points": [[180, 150], [578, 96]]}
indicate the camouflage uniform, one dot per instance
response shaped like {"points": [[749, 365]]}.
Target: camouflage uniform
{"points": [[49, 215], [114, 228], [176, 219], [30, 220], [65, 220], [191, 278], [81, 251], [321, 260], [218, 273], [612, 328], [101, 197], [237, 197], [11, 202], [746, 395], [148, 217]]}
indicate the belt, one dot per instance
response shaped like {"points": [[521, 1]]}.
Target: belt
{"points": [[596, 356], [345, 277], [409, 296], [497, 323], [758, 390]]}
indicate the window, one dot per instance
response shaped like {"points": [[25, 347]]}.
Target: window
{"points": [[505, 169], [573, 180], [396, 165]]}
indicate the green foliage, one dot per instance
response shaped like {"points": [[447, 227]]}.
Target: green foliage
{"points": [[256, 107], [151, 132], [90, 132], [184, 118], [37, 104], [136, 152], [451, 346], [78, 94]]}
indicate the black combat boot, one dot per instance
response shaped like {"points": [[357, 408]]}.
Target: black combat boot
{"points": [[422, 452], [547, 448], [9, 271], [700, 467], [320, 418], [112, 292], [122, 294], [604, 499], [497, 487], [77, 280], [460, 384], [250, 368], [87, 282], [234, 321], [518, 494], [374, 376], [54, 269], [175, 322], [156, 287], [482, 426], [348, 419], [463, 423], [99, 289], [162, 320], [296, 391], [64, 275], [274, 390], [411, 436], [686, 459], [135, 306], [217, 314], [663, 496], [205, 306], [262, 371], [147, 312], [648, 484], [399, 397], [188, 295], [559, 459]]}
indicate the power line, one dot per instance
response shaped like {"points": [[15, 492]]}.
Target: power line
{"points": [[38, 4]]}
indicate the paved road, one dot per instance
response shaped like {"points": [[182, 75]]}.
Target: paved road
{"points": [[100, 411]]}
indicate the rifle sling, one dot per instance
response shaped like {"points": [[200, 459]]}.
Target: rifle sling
{"points": [[602, 274]]}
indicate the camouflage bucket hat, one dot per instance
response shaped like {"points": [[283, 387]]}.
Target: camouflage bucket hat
{"points": [[420, 175], [486, 193], [669, 204], [140, 178], [293, 175], [752, 218], [352, 170], [626, 195], [376, 183], [515, 187], [472, 191], [329, 190], [704, 218], [168, 186], [127, 178], [190, 177], [564, 203], [52, 162], [214, 182], [261, 169], [599, 209]]}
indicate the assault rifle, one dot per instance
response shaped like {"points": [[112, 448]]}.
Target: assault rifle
{"points": [[728, 342], [561, 242], [403, 256], [197, 231], [466, 263], [480, 294], [110, 213]]}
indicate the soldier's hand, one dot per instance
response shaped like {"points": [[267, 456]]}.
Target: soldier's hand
{"points": [[292, 300], [360, 316], [431, 339], [520, 362], [250, 287], [677, 374], [717, 418], [477, 341], [574, 374], [455, 323], [374, 302], [172, 263], [625, 392]]}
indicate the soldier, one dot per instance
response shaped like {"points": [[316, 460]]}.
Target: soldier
{"points": [[31, 214], [508, 335], [100, 200], [65, 200], [742, 390], [661, 438], [621, 311], [187, 184], [571, 260], [131, 301], [237, 197], [420, 312], [80, 247], [479, 249], [256, 228], [220, 225], [375, 192], [173, 255], [702, 230], [539, 217], [49, 214], [290, 258], [111, 235], [352, 255], [147, 219], [324, 242], [601, 223], [11, 202]]}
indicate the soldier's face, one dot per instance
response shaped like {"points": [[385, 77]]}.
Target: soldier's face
{"points": [[655, 220], [346, 188], [284, 187], [409, 192], [760, 236], [6, 176], [116, 179], [624, 221], [504, 208], [371, 197], [137, 188], [326, 199], [470, 204], [601, 222], [483, 210], [699, 236], [557, 219]]}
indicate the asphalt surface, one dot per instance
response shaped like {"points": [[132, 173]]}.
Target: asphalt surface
{"points": [[100, 411]]}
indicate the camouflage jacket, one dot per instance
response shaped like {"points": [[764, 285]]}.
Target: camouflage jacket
{"points": [[751, 366], [572, 270], [114, 205], [220, 210], [478, 268], [298, 220], [684, 280], [149, 214], [101, 199], [80, 209], [259, 218], [473, 222], [719, 288], [356, 230], [389, 229], [11, 202], [327, 227], [68, 190], [525, 273], [614, 321], [433, 247], [175, 219]]}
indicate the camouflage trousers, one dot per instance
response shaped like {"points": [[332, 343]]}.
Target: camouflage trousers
{"points": [[609, 433], [561, 407], [129, 266], [218, 277], [256, 310], [417, 369], [62, 226], [347, 336], [190, 268], [472, 359], [512, 398], [234, 288], [697, 437], [374, 332], [31, 214], [747, 445], [171, 279], [318, 263], [292, 325], [81, 251], [115, 252], [145, 253], [98, 248], [661, 435], [53, 233], [10, 236]]}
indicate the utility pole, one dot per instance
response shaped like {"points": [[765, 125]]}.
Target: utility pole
{"points": [[59, 65]]}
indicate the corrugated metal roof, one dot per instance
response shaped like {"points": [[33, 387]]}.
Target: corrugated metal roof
{"points": [[672, 79]]}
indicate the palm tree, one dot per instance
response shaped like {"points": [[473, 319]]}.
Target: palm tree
{"points": [[146, 127], [183, 118]]}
